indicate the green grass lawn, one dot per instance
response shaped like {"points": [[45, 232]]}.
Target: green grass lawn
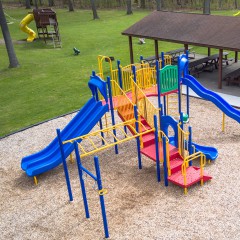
{"points": [[51, 82]]}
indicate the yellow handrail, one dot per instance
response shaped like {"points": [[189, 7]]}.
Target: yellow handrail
{"points": [[183, 138], [185, 165], [145, 107]]}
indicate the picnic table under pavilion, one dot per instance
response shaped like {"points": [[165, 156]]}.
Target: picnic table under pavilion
{"points": [[210, 31]]}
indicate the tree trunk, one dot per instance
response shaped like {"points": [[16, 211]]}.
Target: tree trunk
{"points": [[94, 10], [70, 6], [28, 5], [36, 4], [142, 4], [236, 4], [13, 62], [220, 2], [206, 7], [158, 2], [129, 7], [50, 3]]}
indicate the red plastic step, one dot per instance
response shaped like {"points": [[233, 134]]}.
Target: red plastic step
{"points": [[150, 151], [176, 165], [193, 176], [148, 139]]}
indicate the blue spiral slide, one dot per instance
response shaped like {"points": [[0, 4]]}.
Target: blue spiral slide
{"points": [[205, 93]]}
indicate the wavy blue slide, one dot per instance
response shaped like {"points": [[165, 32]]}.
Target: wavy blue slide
{"points": [[205, 93], [81, 124], [211, 153]]}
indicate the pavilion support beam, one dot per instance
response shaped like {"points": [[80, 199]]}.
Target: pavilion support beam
{"points": [[220, 69], [236, 56], [185, 48], [131, 49], [156, 49], [209, 51]]}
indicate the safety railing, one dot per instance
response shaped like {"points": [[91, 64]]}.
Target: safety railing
{"points": [[145, 107], [127, 74], [146, 77], [101, 58], [121, 102], [183, 139], [161, 134], [185, 165]]}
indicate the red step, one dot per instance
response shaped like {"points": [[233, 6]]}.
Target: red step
{"points": [[193, 176], [176, 165], [150, 151], [148, 139]]}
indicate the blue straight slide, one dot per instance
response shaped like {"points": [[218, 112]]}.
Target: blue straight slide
{"points": [[81, 124], [205, 93]]}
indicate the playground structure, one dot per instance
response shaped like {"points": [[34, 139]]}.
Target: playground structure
{"points": [[23, 26], [46, 24], [127, 92], [236, 14]]}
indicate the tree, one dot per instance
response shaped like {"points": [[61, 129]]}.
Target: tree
{"points": [[50, 3], [129, 7], [142, 4], [13, 62], [94, 10], [236, 4], [220, 3], [158, 2], [28, 4], [206, 7], [70, 6]]}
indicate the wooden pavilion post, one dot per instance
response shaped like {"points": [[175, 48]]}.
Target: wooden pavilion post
{"points": [[209, 51], [236, 56], [156, 49], [220, 69], [130, 49], [185, 47]]}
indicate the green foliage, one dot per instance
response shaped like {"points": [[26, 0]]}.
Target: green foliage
{"points": [[51, 82]]}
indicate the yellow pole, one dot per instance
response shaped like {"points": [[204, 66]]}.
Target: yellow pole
{"points": [[71, 158], [35, 180]]}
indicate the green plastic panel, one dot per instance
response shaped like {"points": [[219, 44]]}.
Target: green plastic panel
{"points": [[168, 78]]}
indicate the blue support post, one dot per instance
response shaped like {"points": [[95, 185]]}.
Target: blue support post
{"points": [[179, 87], [65, 166], [188, 100], [190, 143], [163, 60], [125, 129], [112, 111], [80, 173], [101, 127], [119, 74], [157, 149], [181, 120], [165, 161], [99, 182], [164, 106], [159, 89], [138, 139]]}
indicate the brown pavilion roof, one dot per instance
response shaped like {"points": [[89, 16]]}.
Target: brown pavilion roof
{"points": [[222, 32]]}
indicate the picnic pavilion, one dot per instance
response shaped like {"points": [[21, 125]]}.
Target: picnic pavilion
{"points": [[219, 32]]}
